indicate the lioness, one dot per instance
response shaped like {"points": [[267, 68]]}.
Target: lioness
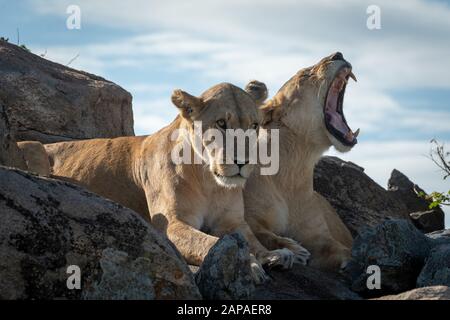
{"points": [[308, 111], [181, 199]]}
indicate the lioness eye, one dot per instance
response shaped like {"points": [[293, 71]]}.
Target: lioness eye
{"points": [[221, 123], [255, 126]]}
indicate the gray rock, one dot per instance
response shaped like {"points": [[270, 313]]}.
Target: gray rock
{"points": [[49, 102], [304, 283], [437, 268], [426, 293], [423, 218], [47, 225], [397, 248], [10, 154], [225, 273], [439, 237], [358, 200]]}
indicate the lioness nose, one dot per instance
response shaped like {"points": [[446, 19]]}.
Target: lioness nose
{"points": [[337, 56], [240, 164]]}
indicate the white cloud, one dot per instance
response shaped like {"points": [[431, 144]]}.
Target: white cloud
{"points": [[407, 51], [152, 115]]}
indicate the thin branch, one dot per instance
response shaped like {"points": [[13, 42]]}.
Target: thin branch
{"points": [[73, 59]]}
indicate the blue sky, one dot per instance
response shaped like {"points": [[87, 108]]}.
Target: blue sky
{"points": [[401, 100]]}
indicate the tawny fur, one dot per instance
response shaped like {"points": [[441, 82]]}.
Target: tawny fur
{"points": [[285, 204], [35, 157], [184, 201]]}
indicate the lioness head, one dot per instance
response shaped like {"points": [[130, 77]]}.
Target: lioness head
{"points": [[311, 104], [220, 110]]}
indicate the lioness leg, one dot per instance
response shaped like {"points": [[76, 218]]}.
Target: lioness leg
{"points": [[320, 229], [193, 244], [274, 242]]}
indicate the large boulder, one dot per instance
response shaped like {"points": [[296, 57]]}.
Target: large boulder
{"points": [[397, 248], [225, 274], [49, 102], [437, 268], [304, 283], [47, 225], [10, 154], [358, 199], [426, 293], [423, 218]]}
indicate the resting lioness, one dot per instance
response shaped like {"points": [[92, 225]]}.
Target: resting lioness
{"points": [[181, 199], [308, 111]]}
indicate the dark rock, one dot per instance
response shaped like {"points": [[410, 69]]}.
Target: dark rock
{"points": [[397, 248], [225, 273], [426, 293], [48, 225], [437, 268], [49, 102], [358, 199], [10, 154], [304, 283], [405, 190], [428, 221]]}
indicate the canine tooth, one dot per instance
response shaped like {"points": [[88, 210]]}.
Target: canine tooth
{"points": [[352, 76], [356, 133]]}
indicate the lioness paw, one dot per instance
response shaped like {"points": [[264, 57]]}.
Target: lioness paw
{"points": [[280, 257], [258, 274], [301, 253]]}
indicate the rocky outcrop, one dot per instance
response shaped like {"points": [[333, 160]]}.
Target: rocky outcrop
{"points": [[49, 102], [358, 200], [225, 273], [47, 226], [9, 152], [423, 218], [397, 248], [426, 293], [304, 283], [437, 267]]}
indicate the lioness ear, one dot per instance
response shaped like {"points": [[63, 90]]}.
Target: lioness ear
{"points": [[271, 112], [186, 103], [257, 90]]}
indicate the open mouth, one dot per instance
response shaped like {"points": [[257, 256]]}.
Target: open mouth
{"points": [[334, 110]]}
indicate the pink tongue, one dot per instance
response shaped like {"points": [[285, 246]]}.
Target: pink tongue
{"points": [[334, 118]]}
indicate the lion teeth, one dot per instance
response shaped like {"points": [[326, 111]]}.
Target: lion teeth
{"points": [[352, 76], [356, 133]]}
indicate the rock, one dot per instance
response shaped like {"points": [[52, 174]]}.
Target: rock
{"points": [[428, 221], [405, 190], [437, 268], [49, 102], [426, 293], [305, 283], [9, 152], [397, 248], [358, 200], [225, 273], [48, 225], [439, 237]]}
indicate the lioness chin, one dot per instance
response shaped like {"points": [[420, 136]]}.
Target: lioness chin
{"points": [[179, 199], [308, 111]]}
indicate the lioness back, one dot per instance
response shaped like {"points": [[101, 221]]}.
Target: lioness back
{"points": [[102, 166]]}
